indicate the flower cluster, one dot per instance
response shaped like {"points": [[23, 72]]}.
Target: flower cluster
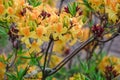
{"points": [[110, 66]]}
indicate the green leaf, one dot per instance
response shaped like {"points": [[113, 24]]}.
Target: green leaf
{"points": [[74, 8], [34, 3], [90, 24], [3, 37], [11, 76], [25, 57], [9, 57], [88, 5], [70, 9], [2, 59], [84, 19], [33, 61]]}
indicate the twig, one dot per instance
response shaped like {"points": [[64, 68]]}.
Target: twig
{"points": [[109, 47], [33, 73], [70, 56], [91, 52], [9, 65], [101, 48], [50, 53], [103, 41], [60, 7], [45, 59]]}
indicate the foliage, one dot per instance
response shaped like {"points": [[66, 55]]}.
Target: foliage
{"points": [[42, 38]]}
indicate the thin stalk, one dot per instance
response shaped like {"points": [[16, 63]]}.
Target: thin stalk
{"points": [[60, 7], [114, 35], [110, 46], [50, 53], [9, 65], [45, 59], [70, 56], [93, 49]]}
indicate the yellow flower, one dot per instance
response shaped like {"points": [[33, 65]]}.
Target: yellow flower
{"points": [[2, 70], [55, 59], [108, 61], [96, 2], [112, 4], [40, 31], [35, 46], [77, 76], [111, 15], [25, 31], [59, 29], [83, 34], [1, 8], [10, 10], [58, 46]]}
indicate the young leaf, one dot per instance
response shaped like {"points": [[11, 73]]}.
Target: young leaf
{"points": [[70, 7], [34, 3], [3, 37]]}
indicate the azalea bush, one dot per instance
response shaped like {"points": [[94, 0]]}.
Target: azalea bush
{"points": [[43, 37]]}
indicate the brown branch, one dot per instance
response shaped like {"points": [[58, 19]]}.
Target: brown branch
{"points": [[76, 51], [9, 65], [60, 7], [45, 59], [109, 47], [103, 41], [50, 53]]}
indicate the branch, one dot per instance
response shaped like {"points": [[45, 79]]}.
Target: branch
{"points": [[9, 65], [50, 53], [46, 55], [109, 47], [70, 56], [103, 41], [60, 7]]}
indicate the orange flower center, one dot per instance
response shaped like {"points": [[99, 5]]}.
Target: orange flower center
{"points": [[39, 31], [1, 9], [26, 31], [59, 28]]}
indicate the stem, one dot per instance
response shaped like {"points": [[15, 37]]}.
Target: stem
{"points": [[93, 49], [101, 48], [70, 56], [60, 7], [109, 47], [11, 64], [45, 59], [114, 35], [50, 53]]}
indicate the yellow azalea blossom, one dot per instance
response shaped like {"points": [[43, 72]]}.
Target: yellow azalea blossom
{"points": [[10, 10], [35, 46], [34, 14], [107, 61], [112, 4], [96, 2], [40, 31], [111, 15], [59, 31], [1, 2], [2, 70], [77, 76], [85, 35], [58, 46], [55, 59], [25, 32], [1, 8], [117, 68]]}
